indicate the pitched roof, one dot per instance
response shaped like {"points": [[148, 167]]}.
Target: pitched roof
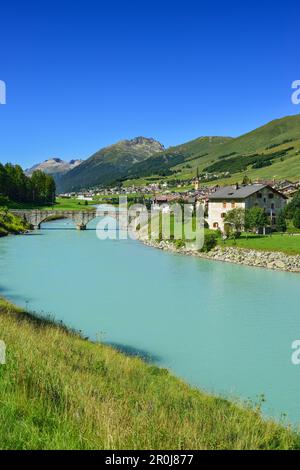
{"points": [[234, 192]]}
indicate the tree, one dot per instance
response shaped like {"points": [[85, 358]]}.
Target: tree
{"points": [[281, 225], [255, 219], [210, 241], [3, 201], [236, 219], [246, 180], [18, 187], [293, 206], [296, 218], [50, 189]]}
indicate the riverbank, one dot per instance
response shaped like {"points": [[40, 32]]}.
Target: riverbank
{"points": [[277, 261], [60, 391], [10, 224]]}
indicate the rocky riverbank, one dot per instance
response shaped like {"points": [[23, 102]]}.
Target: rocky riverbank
{"points": [[262, 259]]}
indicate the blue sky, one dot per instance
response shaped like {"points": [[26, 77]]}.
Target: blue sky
{"points": [[84, 74]]}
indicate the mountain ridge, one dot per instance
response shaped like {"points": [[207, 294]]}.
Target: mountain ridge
{"points": [[270, 145], [261, 152], [110, 163], [54, 166]]}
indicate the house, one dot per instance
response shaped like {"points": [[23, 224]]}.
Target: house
{"points": [[284, 183], [288, 188], [244, 197], [83, 197]]}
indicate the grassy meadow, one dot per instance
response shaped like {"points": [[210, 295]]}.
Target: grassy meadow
{"points": [[286, 243], [59, 391], [60, 204], [64, 204]]}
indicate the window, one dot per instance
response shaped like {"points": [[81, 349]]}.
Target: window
{"points": [[224, 205], [259, 195], [223, 215], [271, 196], [233, 205], [272, 205], [216, 225]]}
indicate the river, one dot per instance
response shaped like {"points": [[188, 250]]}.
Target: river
{"points": [[225, 328]]}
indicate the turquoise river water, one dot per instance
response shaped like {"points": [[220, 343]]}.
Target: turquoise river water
{"points": [[227, 329]]}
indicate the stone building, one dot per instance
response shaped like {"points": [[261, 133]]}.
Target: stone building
{"points": [[244, 197]]}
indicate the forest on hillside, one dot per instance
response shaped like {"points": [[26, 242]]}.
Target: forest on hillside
{"points": [[16, 186]]}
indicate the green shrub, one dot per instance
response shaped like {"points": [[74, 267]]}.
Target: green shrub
{"points": [[179, 243], [262, 163], [10, 223], [210, 241]]}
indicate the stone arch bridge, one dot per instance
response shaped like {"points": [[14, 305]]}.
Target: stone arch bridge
{"points": [[80, 218]]}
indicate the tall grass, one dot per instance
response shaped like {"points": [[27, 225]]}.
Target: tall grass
{"points": [[59, 391], [10, 223]]}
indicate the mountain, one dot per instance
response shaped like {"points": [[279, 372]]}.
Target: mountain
{"points": [[271, 151], [162, 164], [109, 164], [54, 167]]}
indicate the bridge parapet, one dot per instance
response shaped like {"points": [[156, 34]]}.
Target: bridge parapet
{"points": [[80, 218]]}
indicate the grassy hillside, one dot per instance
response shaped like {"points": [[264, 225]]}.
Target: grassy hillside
{"points": [[9, 224], [273, 133], [271, 151], [59, 391], [163, 163]]}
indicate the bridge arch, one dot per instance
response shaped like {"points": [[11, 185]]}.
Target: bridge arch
{"points": [[56, 218]]}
